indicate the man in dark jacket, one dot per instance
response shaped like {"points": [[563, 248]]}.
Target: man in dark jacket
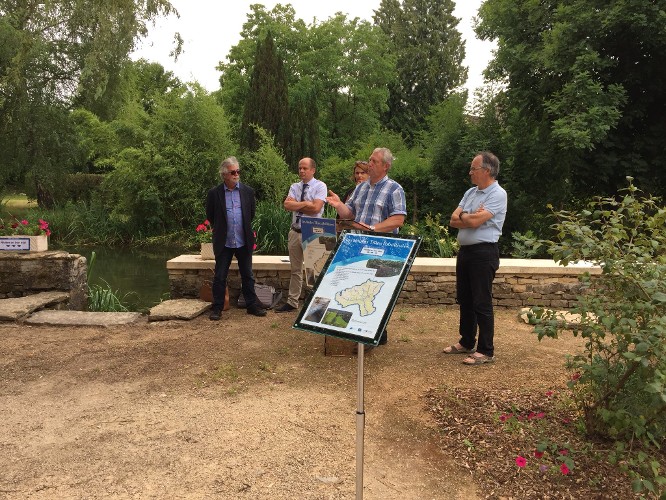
{"points": [[230, 209]]}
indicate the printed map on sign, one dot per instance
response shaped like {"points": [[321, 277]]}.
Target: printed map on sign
{"points": [[362, 295], [358, 288]]}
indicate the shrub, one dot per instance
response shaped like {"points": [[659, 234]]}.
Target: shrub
{"points": [[272, 222], [620, 378], [437, 242]]}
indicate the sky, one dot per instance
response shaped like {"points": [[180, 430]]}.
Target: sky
{"points": [[210, 28]]}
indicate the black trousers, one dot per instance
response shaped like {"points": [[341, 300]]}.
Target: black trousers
{"points": [[475, 271], [222, 263]]}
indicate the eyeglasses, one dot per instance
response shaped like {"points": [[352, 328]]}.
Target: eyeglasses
{"points": [[233, 172], [473, 169]]}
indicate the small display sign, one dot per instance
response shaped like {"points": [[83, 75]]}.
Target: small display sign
{"points": [[14, 244]]}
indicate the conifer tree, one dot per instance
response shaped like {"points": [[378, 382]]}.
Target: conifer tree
{"points": [[267, 103], [429, 51]]}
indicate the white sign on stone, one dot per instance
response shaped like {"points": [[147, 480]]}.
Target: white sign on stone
{"points": [[14, 244]]}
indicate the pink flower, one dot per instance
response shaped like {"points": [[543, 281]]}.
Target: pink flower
{"points": [[549, 393], [201, 227], [575, 376], [540, 415], [538, 454], [564, 452], [566, 420], [531, 415], [43, 225], [206, 222], [520, 461], [505, 416], [25, 222], [564, 469]]}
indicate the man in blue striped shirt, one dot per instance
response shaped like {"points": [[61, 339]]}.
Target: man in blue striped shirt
{"points": [[378, 204]]}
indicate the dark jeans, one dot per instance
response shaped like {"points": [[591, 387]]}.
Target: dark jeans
{"points": [[475, 271], [222, 263]]}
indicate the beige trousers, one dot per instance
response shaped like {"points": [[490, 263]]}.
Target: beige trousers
{"points": [[296, 259]]}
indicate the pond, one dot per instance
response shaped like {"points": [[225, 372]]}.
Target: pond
{"points": [[137, 276]]}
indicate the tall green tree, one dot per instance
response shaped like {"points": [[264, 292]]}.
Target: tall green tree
{"points": [[55, 53], [267, 102], [584, 103], [429, 51], [344, 63]]}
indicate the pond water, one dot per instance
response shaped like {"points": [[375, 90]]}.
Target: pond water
{"points": [[137, 276]]}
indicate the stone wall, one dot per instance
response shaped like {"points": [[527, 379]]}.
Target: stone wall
{"points": [[23, 274], [518, 283]]}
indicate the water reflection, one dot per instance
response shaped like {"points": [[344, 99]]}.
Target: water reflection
{"points": [[139, 276]]}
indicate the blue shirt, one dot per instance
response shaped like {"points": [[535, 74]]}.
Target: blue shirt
{"points": [[235, 236], [372, 204], [494, 200], [316, 190]]}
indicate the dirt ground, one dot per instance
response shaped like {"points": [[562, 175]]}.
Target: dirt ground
{"points": [[242, 408]]}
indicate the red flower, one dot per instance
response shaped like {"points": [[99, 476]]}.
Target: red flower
{"points": [[538, 454], [564, 452], [564, 469], [540, 415], [201, 227], [25, 222], [575, 376], [505, 416], [549, 393], [520, 461]]}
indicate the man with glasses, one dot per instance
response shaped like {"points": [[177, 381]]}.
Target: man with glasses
{"points": [[379, 203], [230, 208], [305, 198], [479, 219]]}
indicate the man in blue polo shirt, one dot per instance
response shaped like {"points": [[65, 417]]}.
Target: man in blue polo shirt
{"points": [[379, 202], [479, 219]]}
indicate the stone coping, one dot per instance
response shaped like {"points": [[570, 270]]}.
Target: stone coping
{"points": [[421, 265]]}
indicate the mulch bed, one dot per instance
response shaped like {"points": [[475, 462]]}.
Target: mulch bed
{"points": [[490, 432]]}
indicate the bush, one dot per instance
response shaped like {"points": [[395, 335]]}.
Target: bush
{"points": [[437, 242], [619, 380], [272, 223]]}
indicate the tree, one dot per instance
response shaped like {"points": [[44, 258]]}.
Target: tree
{"points": [[344, 63], [53, 54], [267, 102], [429, 51], [584, 105]]}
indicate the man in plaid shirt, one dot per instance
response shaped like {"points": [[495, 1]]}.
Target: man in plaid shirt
{"points": [[377, 204]]}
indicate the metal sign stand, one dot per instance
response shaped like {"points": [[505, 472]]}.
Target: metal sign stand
{"points": [[360, 424]]}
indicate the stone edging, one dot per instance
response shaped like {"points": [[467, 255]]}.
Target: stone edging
{"points": [[518, 282]]}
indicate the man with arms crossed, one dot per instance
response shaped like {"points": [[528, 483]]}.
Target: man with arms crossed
{"points": [[230, 209], [479, 219], [306, 197], [379, 202]]}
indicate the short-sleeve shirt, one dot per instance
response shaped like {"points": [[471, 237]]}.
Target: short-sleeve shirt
{"points": [[494, 200], [316, 190], [374, 204]]}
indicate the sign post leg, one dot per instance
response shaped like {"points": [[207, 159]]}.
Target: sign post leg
{"points": [[360, 424]]}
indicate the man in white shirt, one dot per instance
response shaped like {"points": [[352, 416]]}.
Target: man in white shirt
{"points": [[307, 198]]}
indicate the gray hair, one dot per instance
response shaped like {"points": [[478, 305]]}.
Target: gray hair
{"points": [[387, 156], [226, 163], [490, 162]]}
